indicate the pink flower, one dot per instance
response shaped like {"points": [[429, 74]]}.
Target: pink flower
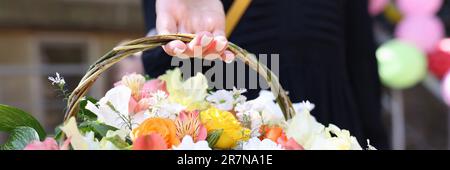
{"points": [[153, 141], [135, 107], [141, 91], [188, 123], [47, 144], [290, 144], [151, 87]]}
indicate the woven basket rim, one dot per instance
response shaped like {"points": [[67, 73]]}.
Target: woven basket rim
{"points": [[127, 49]]}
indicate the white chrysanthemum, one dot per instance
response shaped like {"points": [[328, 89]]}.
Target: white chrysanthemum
{"points": [[161, 107], [221, 99], [256, 144], [188, 144], [226, 100]]}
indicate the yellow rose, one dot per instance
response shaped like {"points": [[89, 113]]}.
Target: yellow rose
{"points": [[215, 119]]}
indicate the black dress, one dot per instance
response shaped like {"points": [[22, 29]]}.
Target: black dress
{"points": [[326, 50]]}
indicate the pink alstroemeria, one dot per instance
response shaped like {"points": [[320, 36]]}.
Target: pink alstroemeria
{"points": [[47, 144], [151, 87], [141, 91], [188, 123]]}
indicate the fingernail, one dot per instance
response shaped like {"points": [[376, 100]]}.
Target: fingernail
{"points": [[178, 51], [206, 40], [229, 58], [220, 43]]}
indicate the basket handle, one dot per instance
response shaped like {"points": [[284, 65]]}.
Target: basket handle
{"points": [[142, 44]]}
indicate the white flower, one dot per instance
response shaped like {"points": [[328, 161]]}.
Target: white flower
{"points": [[238, 97], [370, 147], [304, 105], [256, 144], [249, 118], [312, 135], [221, 99], [341, 141], [113, 109], [265, 103], [104, 144], [303, 127], [161, 107], [226, 100], [58, 80], [87, 141], [260, 111], [188, 144]]}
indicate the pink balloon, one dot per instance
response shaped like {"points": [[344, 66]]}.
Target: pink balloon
{"points": [[419, 7], [377, 6], [445, 86], [423, 31]]}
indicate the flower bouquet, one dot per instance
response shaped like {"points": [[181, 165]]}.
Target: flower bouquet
{"points": [[168, 112]]}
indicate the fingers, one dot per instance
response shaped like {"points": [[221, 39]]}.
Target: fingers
{"points": [[203, 45], [216, 48], [228, 56], [202, 39], [175, 48]]}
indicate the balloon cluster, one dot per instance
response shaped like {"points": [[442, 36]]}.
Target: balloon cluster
{"points": [[418, 43]]}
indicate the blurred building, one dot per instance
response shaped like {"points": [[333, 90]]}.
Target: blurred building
{"points": [[39, 38]]}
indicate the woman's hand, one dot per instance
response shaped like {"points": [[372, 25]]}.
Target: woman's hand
{"points": [[205, 18]]}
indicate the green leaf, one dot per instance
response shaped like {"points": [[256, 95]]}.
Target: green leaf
{"points": [[19, 138], [85, 114], [11, 118], [118, 142], [98, 128], [213, 137], [58, 134]]}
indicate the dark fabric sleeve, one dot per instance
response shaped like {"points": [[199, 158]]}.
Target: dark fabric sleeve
{"points": [[155, 61], [148, 7], [363, 71]]}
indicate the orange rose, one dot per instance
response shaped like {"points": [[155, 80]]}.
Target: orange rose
{"points": [[164, 127], [276, 134], [272, 133]]}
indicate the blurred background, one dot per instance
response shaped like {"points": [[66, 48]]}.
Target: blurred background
{"points": [[40, 38]]}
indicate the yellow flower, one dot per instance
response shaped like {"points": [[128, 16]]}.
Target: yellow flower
{"points": [[190, 93], [233, 132]]}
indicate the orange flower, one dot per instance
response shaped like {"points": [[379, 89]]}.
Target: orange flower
{"points": [[271, 132], [276, 134], [164, 127]]}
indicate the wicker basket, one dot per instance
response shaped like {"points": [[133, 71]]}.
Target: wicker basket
{"points": [[142, 44]]}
